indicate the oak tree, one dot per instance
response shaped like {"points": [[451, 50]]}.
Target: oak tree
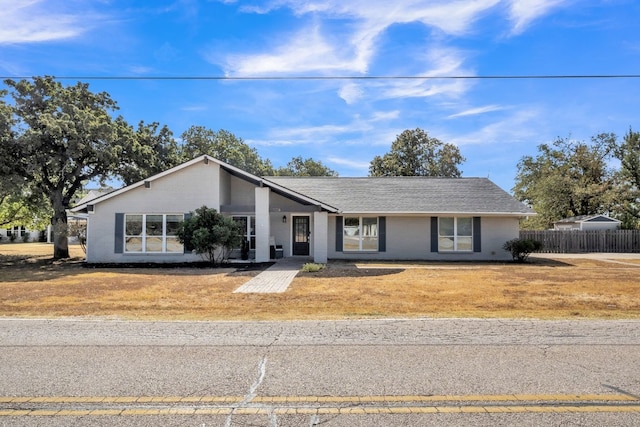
{"points": [[415, 153], [305, 167], [65, 136], [224, 146], [567, 178]]}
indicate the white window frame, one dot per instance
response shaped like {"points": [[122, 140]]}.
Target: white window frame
{"points": [[456, 236], [246, 234], [143, 235], [360, 234]]}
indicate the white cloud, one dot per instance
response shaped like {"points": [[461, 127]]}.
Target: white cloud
{"points": [[307, 135], [523, 12], [350, 93], [36, 21], [311, 50], [443, 62], [477, 111], [521, 126], [307, 51], [349, 163], [385, 115]]}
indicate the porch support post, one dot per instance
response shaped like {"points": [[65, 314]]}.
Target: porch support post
{"points": [[262, 224], [320, 236]]}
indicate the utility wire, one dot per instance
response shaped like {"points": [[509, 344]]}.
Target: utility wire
{"points": [[257, 78]]}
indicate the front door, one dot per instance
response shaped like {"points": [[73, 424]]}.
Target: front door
{"points": [[301, 235]]}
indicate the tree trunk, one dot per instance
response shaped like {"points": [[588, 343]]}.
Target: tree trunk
{"points": [[60, 230]]}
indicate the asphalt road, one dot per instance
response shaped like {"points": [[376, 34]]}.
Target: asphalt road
{"points": [[441, 372]]}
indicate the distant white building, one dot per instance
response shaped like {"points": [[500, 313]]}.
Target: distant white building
{"points": [[587, 222], [20, 233]]}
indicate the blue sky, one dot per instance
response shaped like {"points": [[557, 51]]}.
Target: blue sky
{"points": [[346, 122]]}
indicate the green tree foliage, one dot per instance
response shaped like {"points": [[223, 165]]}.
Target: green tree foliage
{"points": [[305, 167], [415, 153], [627, 195], [19, 204], [149, 150], [65, 136], [210, 234], [224, 146], [567, 178]]}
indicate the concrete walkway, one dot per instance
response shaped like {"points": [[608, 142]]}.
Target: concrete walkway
{"points": [[275, 279]]}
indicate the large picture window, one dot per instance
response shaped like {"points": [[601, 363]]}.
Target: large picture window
{"points": [[455, 234], [360, 234], [152, 233]]}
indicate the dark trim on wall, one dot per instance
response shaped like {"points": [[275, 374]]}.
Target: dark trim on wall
{"points": [[118, 236], [477, 234], [339, 225], [434, 234], [382, 234]]}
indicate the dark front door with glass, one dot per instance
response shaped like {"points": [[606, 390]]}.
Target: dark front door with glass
{"points": [[301, 235]]}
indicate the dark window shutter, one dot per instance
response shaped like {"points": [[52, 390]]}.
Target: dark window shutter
{"points": [[339, 225], [188, 247], [477, 235], [118, 235], [382, 234], [434, 234]]}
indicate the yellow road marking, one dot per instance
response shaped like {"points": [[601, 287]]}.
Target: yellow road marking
{"points": [[322, 399], [70, 406]]}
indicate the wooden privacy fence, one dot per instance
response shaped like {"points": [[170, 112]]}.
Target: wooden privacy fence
{"points": [[556, 241]]}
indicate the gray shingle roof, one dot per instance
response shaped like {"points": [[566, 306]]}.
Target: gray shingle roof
{"points": [[407, 194]]}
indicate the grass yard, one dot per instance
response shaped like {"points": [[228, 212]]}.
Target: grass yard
{"points": [[32, 285]]}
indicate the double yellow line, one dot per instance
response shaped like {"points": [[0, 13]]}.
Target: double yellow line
{"points": [[313, 405]]}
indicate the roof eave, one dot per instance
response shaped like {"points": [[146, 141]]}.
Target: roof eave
{"points": [[423, 213]]}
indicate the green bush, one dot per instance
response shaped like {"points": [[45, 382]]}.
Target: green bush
{"points": [[210, 234], [311, 267], [521, 248]]}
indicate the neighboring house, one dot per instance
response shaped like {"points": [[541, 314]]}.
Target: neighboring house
{"points": [[393, 218], [587, 222], [20, 234]]}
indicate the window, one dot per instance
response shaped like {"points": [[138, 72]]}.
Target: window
{"points": [[152, 233], [360, 234], [455, 234], [248, 225]]}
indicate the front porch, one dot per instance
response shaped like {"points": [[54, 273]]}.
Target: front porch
{"points": [[277, 227]]}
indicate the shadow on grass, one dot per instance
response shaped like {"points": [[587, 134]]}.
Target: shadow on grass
{"points": [[339, 268], [342, 269], [29, 268]]}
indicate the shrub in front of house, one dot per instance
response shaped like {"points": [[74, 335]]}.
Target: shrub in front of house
{"points": [[520, 249], [311, 267]]}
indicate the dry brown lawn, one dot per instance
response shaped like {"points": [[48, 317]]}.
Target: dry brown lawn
{"points": [[32, 285]]}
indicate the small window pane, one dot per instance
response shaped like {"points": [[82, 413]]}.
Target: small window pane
{"points": [[154, 225], [370, 234], [445, 244], [446, 227], [173, 245], [154, 244], [351, 234], [351, 227], [465, 244], [133, 225], [173, 224], [133, 244], [465, 226]]}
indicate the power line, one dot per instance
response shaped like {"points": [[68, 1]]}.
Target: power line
{"points": [[258, 78]]}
